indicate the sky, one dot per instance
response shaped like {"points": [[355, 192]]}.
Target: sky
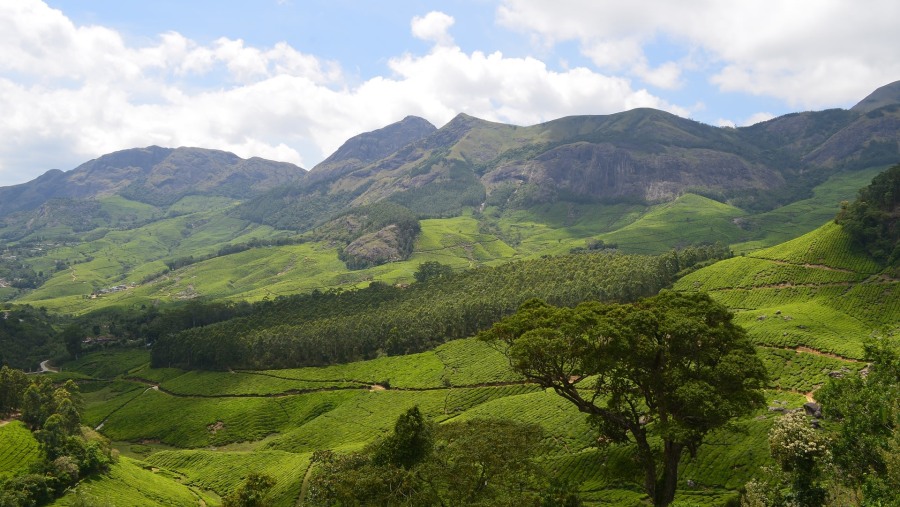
{"points": [[291, 80]]}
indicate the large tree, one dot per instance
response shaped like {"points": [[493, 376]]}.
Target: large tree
{"points": [[660, 373], [12, 387], [866, 440]]}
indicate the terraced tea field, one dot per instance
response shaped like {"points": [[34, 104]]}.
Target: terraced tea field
{"points": [[813, 292], [219, 426], [18, 449]]}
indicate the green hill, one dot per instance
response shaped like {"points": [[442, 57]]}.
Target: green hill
{"points": [[230, 424], [137, 484], [171, 225], [813, 291], [808, 303]]}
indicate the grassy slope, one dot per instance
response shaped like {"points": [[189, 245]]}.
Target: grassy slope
{"points": [[272, 271], [18, 449], [787, 222], [129, 256], [460, 380], [812, 291], [131, 483], [196, 226], [690, 219]]}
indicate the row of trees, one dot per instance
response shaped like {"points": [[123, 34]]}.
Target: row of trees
{"points": [[70, 452], [336, 327]]}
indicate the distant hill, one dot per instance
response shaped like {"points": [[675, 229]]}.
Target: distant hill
{"points": [[888, 94], [152, 175]]}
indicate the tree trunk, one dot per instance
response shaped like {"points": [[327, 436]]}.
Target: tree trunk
{"points": [[645, 454], [665, 488]]}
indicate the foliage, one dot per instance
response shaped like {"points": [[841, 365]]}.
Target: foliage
{"points": [[868, 412], [489, 462], [478, 462], [12, 388], [68, 455], [373, 234], [802, 453], [873, 219], [27, 336], [294, 207], [252, 493], [336, 327], [19, 274], [456, 187], [673, 366], [432, 269], [409, 444]]}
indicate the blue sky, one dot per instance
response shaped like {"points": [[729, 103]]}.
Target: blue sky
{"points": [[291, 80]]}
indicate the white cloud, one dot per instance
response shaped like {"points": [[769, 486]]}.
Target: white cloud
{"points": [[433, 27], [757, 118], [667, 76], [71, 93], [722, 122], [808, 53]]}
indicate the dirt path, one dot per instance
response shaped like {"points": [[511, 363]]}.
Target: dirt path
{"points": [[369, 386], [4, 422], [807, 350], [305, 487], [805, 265]]}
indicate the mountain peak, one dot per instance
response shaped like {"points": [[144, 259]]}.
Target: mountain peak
{"points": [[371, 146], [886, 95]]}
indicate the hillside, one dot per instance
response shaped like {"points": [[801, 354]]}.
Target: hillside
{"points": [[272, 421], [886, 95], [176, 224], [808, 304], [642, 155], [814, 292], [152, 175]]}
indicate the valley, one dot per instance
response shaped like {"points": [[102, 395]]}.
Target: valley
{"points": [[255, 315]]}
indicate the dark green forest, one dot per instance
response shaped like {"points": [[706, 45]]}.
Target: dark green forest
{"points": [[341, 326], [873, 219]]}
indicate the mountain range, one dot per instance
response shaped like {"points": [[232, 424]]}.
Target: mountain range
{"points": [[642, 154], [367, 200]]}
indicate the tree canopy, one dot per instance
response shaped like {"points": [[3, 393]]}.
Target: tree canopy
{"points": [[866, 440], [673, 366], [485, 462], [874, 218]]}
